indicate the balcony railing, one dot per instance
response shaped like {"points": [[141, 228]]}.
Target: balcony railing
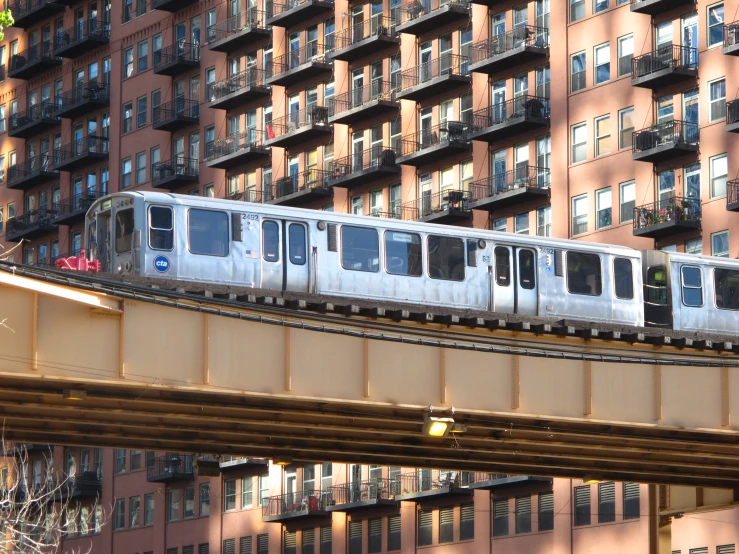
{"points": [[293, 504], [86, 30], [732, 112], [675, 133], [377, 156], [431, 204], [732, 195], [731, 36], [308, 180], [448, 132], [170, 468], [275, 9], [251, 138], [86, 485], [87, 145], [427, 480], [522, 177], [45, 111], [236, 24], [375, 26], [517, 108], [312, 52], [79, 203], [179, 166], [29, 220], [312, 115], [670, 56], [249, 78], [415, 9], [522, 36], [29, 168], [361, 96], [443, 66], [29, 12], [365, 491], [178, 107], [675, 209], [41, 52], [92, 92], [183, 52]]}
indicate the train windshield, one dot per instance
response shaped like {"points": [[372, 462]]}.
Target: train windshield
{"points": [[124, 230]]}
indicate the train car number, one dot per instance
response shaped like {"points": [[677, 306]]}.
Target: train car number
{"points": [[250, 217]]}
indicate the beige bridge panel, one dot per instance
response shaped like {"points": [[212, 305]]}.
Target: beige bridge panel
{"points": [[175, 378]]}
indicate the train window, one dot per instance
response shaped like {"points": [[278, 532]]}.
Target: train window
{"points": [[726, 285], [271, 241], [360, 248], [446, 258], [207, 232], [623, 278], [502, 266], [692, 286], [161, 228], [124, 230], [527, 269], [403, 254], [296, 233], [656, 286], [584, 274]]}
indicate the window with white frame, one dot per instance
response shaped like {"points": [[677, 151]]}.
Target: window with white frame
{"points": [[600, 6], [603, 135], [717, 100], [602, 63], [521, 223], [719, 173], [500, 224], [625, 127], [577, 72], [694, 246], [577, 10], [625, 54], [603, 205], [715, 21], [580, 214], [627, 201], [720, 244], [579, 138], [544, 221]]}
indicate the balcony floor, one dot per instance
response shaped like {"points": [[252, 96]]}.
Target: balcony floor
{"points": [[300, 13], [176, 67], [665, 77], [35, 127], [666, 229], [175, 123], [242, 39], [173, 5], [654, 7], [300, 135], [37, 15], [437, 18], [366, 111], [174, 181], [364, 176], [301, 198], [35, 68], [732, 50], [72, 111], [38, 178], [428, 155], [510, 482], [31, 232], [79, 47], [303, 72], [239, 158], [441, 492], [240, 97], [732, 127], [374, 44], [522, 55], [70, 217], [511, 198], [361, 505], [433, 87], [512, 126], [664, 152], [78, 162]]}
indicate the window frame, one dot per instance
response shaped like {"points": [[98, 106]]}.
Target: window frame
{"points": [[615, 282], [607, 191], [620, 57], [387, 270], [342, 251], [568, 253], [428, 258], [598, 137], [711, 101], [712, 177], [621, 129], [683, 286], [573, 145], [602, 46], [709, 26], [716, 234], [228, 233], [584, 71]]}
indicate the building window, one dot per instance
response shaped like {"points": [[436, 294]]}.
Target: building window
{"points": [[126, 173], [467, 522], [606, 502], [627, 202], [446, 524], [127, 10], [141, 111], [720, 244], [500, 224], [425, 527], [603, 208], [204, 499], [120, 513], [603, 135], [577, 10], [500, 517], [134, 508], [189, 499], [149, 509], [120, 460], [578, 72], [625, 55], [140, 168], [626, 127], [719, 173], [140, 8], [717, 99], [523, 514], [715, 25], [602, 63], [143, 54], [3, 121], [1, 220], [173, 505], [579, 142], [693, 246], [521, 223], [631, 490], [546, 511], [127, 117], [135, 460], [580, 215], [582, 505], [128, 62], [544, 222], [229, 495], [600, 6], [375, 536], [290, 545], [327, 539]]}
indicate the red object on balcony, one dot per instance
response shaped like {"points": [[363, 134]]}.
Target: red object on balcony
{"points": [[78, 263], [312, 503]]}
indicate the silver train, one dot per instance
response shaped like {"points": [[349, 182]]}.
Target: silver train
{"points": [[210, 240]]}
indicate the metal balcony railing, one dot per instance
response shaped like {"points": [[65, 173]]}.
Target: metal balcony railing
{"points": [[431, 204], [377, 25], [516, 108], [671, 209], [30, 167], [274, 9], [376, 90], [92, 91], [348, 493], [413, 9], [81, 147], [443, 66], [377, 156], [86, 485], [179, 165], [731, 34], [293, 503], [310, 179], [249, 78], [37, 112], [178, 107], [522, 36], [732, 112], [449, 131], [181, 51], [85, 29], [312, 115], [171, 466], [670, 132], [245, 21], [312, 52], [260, 196], [34, 53], [670, 56], [394, 214], [522, 177], [732, 191], [31, 218], [251, 138], [78, 203], [423, 480]]}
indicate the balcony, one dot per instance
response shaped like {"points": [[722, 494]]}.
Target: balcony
{"points": [[515, 187], [238, 90], [295, 505], [445, 74], [667, 217], [22, 449], [86, 35], [239, 31], [86, 485], [72, 210], [83, 99], [169, 468], [28, 13], [240, 462], [448, 139], [175, 115], [449, 206], [301, 189], [30, 225], [292, 12], [732, 195], [522, 114], [372, 36], [364, 167], [174, 173], [354, 497], [665, 66], [432, 484], [731, 38], [364, 103], [32, 172], [171, 5], [33, 62], [81, 153], [176, 59], [655, 7], [420, 16], [522, 45], [732, 116], [665, 141], [36, 119], [299, 127], [498, 481], [237, 150], [301, 64]]}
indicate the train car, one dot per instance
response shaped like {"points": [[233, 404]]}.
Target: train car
{"points": [[190, 238]]}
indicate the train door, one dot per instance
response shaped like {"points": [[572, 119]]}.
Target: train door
{"points": [[100, 240], [285, 255], [514, 280], [124, 241]]}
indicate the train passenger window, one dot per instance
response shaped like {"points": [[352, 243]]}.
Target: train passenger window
{"points": [[584, 274], [161, 228], [207, 232], [527, 269], [623, 278], [403, 254], [124, 230], [271, 241], [502, 266], [656, 286], [446, 258], [726, 285], [692, 286], [360, 248], [297, 244]]}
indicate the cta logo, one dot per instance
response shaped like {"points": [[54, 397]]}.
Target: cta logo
{"points": [[161, 264]]}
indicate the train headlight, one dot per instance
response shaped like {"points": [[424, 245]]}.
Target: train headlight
{"points": [[120, 268], [321, 225], [481, 243]]}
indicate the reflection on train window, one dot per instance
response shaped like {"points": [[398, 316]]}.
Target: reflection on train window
{"points": [[403, 253], [584, 274], [161, 228], [124, 230], [271, 241], [297, 244], [446, 258], [726, 285], [207, 232], [360, 249], [527, 269], [692, 286], [623, 278], [502, 266], [657, 285]]}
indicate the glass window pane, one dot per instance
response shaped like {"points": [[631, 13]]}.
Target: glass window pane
{"points": [[527, 269], [502, 266], [624, 281], [446, 258], [726, 286], [208, 232], [360, 249], [297, 244], [271, 241], [584, 274], [403, 253]]}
